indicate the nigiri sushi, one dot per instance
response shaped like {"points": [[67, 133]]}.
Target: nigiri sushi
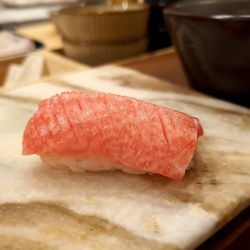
{"points": [[99, 131]]}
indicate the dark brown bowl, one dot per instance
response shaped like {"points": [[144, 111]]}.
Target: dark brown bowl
{"points": [[213, 42]]}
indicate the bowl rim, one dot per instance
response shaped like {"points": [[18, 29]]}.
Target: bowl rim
{"points": [[176, 10], [65, 11]]}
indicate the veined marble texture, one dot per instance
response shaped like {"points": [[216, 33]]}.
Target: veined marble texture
{"points": [[42, 208]]}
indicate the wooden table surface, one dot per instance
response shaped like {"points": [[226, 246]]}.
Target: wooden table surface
{"points": [[163, 64], [44, 33], [166, 65]]}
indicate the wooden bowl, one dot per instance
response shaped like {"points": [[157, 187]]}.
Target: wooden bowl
{"points": [[95, 54], [103, 23]]}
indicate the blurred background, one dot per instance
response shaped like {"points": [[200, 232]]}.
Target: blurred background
{"points": [[89, 32], [209, 56], [15, 15]]}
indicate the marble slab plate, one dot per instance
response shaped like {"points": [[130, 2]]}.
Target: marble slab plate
{"points": [[48, 209]]}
